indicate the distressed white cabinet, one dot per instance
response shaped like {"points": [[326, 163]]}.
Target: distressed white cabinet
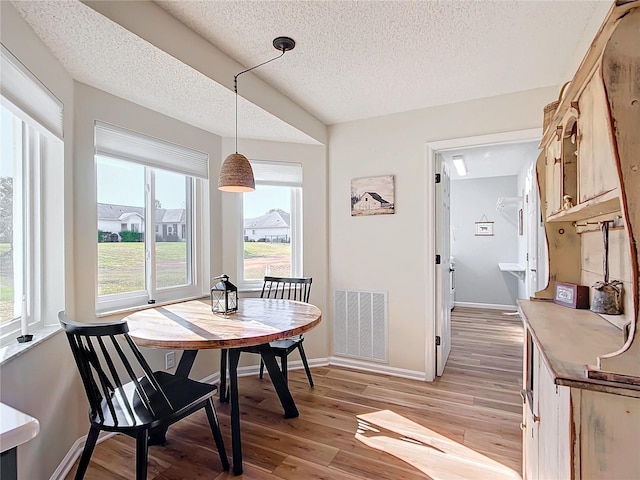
{"points": [[581, 415], [575, 427], [546, 421]]}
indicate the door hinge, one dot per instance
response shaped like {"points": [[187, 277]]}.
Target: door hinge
{"points": [[438, 178], [438, 259], [437, 340]]}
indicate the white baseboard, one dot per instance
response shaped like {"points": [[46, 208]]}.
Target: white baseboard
{"points": [[74, 453], [376, 368], [294, 365], [489, 306]]}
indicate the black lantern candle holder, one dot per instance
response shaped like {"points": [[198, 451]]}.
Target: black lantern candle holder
{"points": [[224, 296]]}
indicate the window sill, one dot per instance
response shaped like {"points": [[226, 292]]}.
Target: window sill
{"points": [[120, 311], [15, 349]]}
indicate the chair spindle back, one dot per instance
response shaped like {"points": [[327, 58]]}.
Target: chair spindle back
{"points": [[100, 352], [287, 288]]}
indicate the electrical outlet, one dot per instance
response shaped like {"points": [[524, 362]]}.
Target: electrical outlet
{"points": [[170, 360]]}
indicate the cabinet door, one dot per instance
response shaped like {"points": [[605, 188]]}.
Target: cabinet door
{"points": [[530, 444], [546, 423], [529, 416], [597, 171], [554, 461]]}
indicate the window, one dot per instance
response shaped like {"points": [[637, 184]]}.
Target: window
{"points": [[272, 223], [149, 185], [31, 147]]}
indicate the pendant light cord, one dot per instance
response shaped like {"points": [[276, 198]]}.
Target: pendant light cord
{"points": [[235, 87]]}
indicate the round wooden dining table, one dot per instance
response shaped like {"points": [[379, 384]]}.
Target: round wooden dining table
{"points": [[192, 326]]}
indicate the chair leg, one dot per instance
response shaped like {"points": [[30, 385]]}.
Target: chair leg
{"points": [[217, 434], [89, 445], [261, 367], [142, 447], [306, 365]]}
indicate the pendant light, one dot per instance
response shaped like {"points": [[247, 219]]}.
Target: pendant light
{"points": [[236, 174]]}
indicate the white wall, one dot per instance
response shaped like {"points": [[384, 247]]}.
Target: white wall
{"points": [[388, 252], [478, 278]]}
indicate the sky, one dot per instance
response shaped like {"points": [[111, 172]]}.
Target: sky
{"points": [[122, 183], [264, 198]]}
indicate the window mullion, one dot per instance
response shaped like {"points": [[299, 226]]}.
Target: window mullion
{"points": [[189, 237], [21, 257], [296, 231], [150, 234], [35, 210]]}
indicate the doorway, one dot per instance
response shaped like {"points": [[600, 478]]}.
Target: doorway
{"points": [[441, 153]]}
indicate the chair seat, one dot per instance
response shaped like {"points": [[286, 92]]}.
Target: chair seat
{"points": [[287, 344], [183, 394]]}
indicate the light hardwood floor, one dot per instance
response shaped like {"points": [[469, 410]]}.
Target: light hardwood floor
{"points": [[358, 425]]}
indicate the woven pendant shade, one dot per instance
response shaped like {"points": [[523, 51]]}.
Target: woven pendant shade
{"points": [[236, 174]]}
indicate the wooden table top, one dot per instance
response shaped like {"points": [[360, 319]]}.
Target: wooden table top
{"points": [[193, 326]]}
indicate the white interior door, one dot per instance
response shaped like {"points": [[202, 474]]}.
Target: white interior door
{"points": [[443, 277], [532, 211]]}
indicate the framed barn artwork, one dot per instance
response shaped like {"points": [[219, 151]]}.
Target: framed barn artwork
{"points": [[372, 196]]}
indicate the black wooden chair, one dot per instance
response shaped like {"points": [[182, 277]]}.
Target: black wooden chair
{"points": [[149, 401], [284, 288], [292, 289]]}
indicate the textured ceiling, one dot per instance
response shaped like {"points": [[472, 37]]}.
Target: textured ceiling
{"points": [[352, 60], [101, 53], [359, 59]]}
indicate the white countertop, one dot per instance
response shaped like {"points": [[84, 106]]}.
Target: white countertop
{"points": [[16, 427]]}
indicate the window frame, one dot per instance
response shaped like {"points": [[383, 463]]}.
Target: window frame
{"points": [[152, 294], [35, 149], [296, 230]]}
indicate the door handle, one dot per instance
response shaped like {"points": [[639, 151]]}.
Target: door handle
{"points": [[533, 270]]}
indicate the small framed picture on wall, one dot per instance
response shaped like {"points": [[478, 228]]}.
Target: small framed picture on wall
{"points": [[484, 229]]}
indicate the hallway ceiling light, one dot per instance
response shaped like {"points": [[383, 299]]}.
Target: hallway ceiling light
{"points": [[236, 174], [460, 165]]}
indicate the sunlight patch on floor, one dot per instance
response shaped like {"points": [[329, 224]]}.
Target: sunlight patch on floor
{"points": [[433, 454]]}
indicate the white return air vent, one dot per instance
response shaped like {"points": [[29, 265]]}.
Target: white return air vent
{"points": [[360, 325]]}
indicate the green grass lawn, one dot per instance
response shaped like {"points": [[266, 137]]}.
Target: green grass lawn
{"points": [[262, 259], [121, 266], [6, 282]]}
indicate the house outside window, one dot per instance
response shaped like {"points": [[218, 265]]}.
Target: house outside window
{"points": [[152, 194], [272, 223]]}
